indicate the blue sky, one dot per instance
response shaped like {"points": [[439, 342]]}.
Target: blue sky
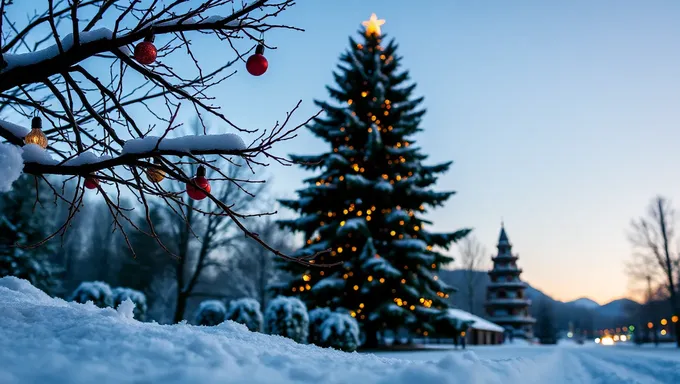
{"points": [[561, 117]]}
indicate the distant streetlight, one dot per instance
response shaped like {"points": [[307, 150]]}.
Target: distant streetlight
{"points": [[650, 325], [664, 321], [674, 319]]}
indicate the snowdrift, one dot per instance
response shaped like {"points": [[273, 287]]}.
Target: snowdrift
{"points": [[48, 340]]}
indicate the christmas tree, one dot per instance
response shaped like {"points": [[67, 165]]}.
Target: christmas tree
{"points": [[367, 205]]}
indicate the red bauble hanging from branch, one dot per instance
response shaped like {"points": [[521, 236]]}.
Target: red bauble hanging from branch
{"points": [[91, 182], [145, 52], [257, 64], [202, 182]]}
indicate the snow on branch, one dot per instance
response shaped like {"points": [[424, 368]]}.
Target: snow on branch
{"points": [[211, 143]]}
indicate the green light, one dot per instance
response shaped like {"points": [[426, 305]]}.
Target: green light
{"points": [[632, 327]]}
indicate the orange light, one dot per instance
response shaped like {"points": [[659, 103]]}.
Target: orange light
{"points": [[650, 325], [674, 319], [664, 321]]}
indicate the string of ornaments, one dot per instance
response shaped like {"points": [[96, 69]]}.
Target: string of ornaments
{"points": [[146, 53]]}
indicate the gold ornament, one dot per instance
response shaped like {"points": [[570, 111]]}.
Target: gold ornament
{"points": [[373, 25], [36, 136], [155, 175]]}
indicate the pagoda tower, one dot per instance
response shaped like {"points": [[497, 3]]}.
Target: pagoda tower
{"points": [[506, 303]]}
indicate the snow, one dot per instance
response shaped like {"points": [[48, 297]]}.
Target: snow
{"points": [[478, 322], [246, 311], [121, 295], [287, 316], [331, 282], [14, 129], [97, 292], [48, 340], [30, 58], [86, 158], [383, 186], [410, 244], [210, 312], [33, 153], [11, 165], [224, 142], [340, 331]]}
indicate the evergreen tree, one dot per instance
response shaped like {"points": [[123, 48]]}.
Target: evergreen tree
{"points": [[23, 221], [368, 201]]}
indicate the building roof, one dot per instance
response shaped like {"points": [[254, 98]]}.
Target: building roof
{"points": [[503, 238], [479, 323]]}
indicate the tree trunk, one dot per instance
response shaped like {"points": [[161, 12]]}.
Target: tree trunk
{"points": [[180, 306], [669, 265], [371, 337]]}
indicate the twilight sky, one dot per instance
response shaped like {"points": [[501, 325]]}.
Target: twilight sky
{"points": [[562, 117]]}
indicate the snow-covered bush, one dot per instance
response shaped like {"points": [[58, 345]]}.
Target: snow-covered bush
{"points": [[210, 312], [287, 316], [340, 331], [96, 291], [316, 317], [121, 294], [247, 312]]}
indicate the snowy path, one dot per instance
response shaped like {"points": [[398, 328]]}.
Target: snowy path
{"points": [[587, 364]]}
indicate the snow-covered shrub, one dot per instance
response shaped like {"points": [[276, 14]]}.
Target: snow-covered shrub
{"points": [[316, 317], [340, 331], [287, 316], [210, 312], [247, 312], [121, 294], [96, 291]]}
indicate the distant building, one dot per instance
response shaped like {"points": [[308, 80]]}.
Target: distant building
{"points": [[506, 303], [480, 331]]}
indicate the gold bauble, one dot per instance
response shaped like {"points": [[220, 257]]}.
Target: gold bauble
{"points": [[155, 175]]}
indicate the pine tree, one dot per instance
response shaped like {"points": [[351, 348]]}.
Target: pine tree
{"points": [[25, 222], [368, 202]]}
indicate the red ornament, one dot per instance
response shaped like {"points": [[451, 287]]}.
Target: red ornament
{"points": [[145, 52], [202, 182], [91, 183], [257, 64]]}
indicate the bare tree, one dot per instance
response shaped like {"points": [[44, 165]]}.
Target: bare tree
{"points": [[652, 237], [471, 258], [252, 269], [93, 112], [204, 241]]}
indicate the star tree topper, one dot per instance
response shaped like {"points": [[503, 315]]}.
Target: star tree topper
{"points": [[373, 25]]}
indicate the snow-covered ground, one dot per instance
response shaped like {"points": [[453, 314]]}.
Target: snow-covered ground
{"points": [[570, 363], [45, 340]]}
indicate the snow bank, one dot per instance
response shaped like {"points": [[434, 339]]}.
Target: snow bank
{"points": [[11, 165], [47, 340]]}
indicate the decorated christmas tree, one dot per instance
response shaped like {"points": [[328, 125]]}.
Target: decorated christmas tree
{"points": [[368, 200]]}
